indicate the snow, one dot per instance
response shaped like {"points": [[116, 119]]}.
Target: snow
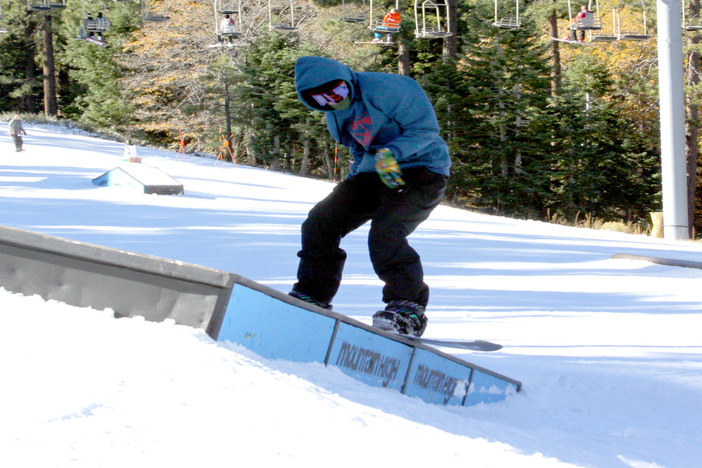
{"points": [[608, 350]]}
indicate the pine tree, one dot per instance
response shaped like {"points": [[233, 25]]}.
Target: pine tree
{"points": [[500, 149], [20, 78]]}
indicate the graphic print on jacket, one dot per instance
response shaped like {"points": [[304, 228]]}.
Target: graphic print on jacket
{"points": [[361, 129]]}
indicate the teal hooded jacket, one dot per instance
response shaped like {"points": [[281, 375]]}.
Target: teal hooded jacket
{"points": [[386, 111]]}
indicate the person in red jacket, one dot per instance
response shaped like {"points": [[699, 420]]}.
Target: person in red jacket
{"points": [[580, 24]]}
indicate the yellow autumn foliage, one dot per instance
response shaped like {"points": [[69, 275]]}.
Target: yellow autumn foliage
{"points": [[631, 63]]}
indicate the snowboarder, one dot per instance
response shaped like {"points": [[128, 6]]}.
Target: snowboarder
{"points": [[15, 127], [398, 176]]}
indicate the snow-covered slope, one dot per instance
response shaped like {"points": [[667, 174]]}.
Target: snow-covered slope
{"points": [[608, 350]]}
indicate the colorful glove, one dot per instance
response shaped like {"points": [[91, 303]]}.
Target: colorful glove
{"points": [[387, 168]]}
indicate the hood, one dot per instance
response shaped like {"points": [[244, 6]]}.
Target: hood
{"points": [[311, 72]]}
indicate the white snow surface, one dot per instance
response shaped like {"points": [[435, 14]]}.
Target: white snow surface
{"points": [[609, 351]]}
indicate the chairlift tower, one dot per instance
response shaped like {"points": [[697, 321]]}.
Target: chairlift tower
{"points": [[672, 121]]}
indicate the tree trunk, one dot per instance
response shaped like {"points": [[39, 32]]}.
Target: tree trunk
{"points": [[227, 108], [556, 52], [692, 110], [27, 102], [403, 59], [328, 162], [305, 165], [275, 157], [50, 102], [450, 48]]}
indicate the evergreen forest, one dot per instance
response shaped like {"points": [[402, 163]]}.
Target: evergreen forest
{"points": [[538, 128]]}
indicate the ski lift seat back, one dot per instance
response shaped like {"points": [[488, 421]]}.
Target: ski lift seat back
{"points": [[694, 24], [602, 38], [353, 13], [228, 8], [96, 25], [379, 28], [511, 19], [38, 6], [508, 22], [431, 19], [630, 36], [282, 27], [230, 33], [589, 22], [353, 19], [432, 32], [641, 32], [155, 18]]}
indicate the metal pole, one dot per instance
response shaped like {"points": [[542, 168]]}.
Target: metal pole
{"points": [[672, 120]]}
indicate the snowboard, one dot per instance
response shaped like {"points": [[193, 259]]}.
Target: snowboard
{"points": [[472, 345]]}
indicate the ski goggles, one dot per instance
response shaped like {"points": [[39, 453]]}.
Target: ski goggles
{"points": [[336, 93]]}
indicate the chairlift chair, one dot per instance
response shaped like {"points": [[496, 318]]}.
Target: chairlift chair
{"points": [[353, 13], [378, 29], [376, 25], [227, 8], [432, 26], [691, 24], [604, 35], [591, 22], [96, 25], [2, 29], [38, 5], [226, 33], [633, 36], [92, 28], [510, 21], [154, 11], [283, 22]]}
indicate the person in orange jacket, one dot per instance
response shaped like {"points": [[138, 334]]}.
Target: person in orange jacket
{"points": [[391, 22]]}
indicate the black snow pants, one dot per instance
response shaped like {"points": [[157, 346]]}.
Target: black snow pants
{"points": [[394, 215]]}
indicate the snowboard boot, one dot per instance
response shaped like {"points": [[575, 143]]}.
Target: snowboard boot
{"points": [[401, 316], [310, 299]]}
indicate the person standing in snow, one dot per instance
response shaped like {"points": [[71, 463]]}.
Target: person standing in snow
{"points": [[398, 176], [16, 129]]}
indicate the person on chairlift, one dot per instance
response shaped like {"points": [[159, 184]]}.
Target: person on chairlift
{"points": [[391, 22], [227, 28], [584, 19]]}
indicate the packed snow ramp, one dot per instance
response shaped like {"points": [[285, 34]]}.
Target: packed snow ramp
{"points": [[232, 308], [140, 178]]}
